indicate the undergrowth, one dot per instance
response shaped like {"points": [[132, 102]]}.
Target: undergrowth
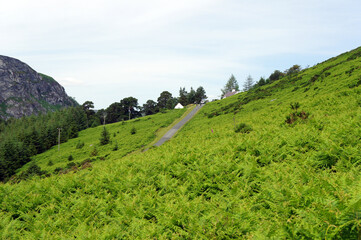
{"points": [[278, 181]]}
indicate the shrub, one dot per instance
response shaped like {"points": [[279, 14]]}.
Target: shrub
{"points": [[243, 128], [70, 158], [57, 170], [94, 152], [104, 137], [133, 131], [70, 165], [115, 148], [80, 145], [50, 163], [295, 106], [34, 170]]}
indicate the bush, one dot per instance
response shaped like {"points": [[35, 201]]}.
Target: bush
{"points": [[243, 128], [133, 131], [70, 158], [70, 165], [57, 170], [50, 163], [80, 145], [104, 137], [94, 152], [115, 148], [34, 170]]}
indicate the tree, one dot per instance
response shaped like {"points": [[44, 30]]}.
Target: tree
{"points": [[127, 108], [150, 107], [293, 70], [130, 107], [248, 83], [231, 85], [191, 96], [200, 95], [261, 82], [276, 75], [163, 99], [88, 109], [104, 137], [183, 97], [114, 113]]}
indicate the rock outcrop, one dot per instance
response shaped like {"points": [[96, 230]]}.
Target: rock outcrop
{"points": [[24, 92]]}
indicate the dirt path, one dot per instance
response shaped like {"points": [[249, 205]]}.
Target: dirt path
{"points": [[176, 127]]}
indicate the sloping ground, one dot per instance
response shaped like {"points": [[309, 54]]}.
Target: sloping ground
{"points": [[284, 179], [86, 148]]}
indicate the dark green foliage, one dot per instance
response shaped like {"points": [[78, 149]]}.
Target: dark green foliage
{"points": [[276, 75], [183, 96], [104, 137], [28, 136], [133, 130], [79, 145], [294, 116], [295, 106], [50, 163], [293, 70], [95, 123], [194, 96], [71, 164], [13, 155], [33, 170], [325, 160], [94, 152], [57, 170], [242, 128], [150, 107], [354, 56], [115, 148], [200, 95], [70, 158], [261, 82], [126, 109], [356, 84], [191, 97], [166, 101]]}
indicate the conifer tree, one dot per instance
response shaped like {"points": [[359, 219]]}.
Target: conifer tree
{"points": [[104, 137]]}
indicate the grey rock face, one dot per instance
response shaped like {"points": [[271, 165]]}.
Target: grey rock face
{"points": [[24, 92]]}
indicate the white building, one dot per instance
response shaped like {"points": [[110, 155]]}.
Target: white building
{"points": [[178, 106]]}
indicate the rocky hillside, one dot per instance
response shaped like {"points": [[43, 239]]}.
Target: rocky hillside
{"points": [[23, 91]]}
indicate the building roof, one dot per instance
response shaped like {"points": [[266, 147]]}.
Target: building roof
{"points": [[230, 94], [178, 106]]}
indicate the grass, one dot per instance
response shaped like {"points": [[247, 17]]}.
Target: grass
{"points": [[161, 131], [120, 135], [278, 181]]}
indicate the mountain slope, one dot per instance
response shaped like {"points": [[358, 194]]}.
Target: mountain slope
{"points": [[23, 91], [279, 179]]}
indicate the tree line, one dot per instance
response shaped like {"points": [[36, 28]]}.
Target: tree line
{"points": [[22, 138], [249, 84], [128, 108], [25, 137]]}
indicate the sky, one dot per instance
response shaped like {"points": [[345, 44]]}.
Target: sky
{"points": [[106, 50]]}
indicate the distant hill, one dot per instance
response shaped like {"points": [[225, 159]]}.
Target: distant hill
{"points": [[24, 92]]}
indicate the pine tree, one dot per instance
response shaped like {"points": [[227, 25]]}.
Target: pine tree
{"points": [[231, 84], [248, 84], [104, 137]]}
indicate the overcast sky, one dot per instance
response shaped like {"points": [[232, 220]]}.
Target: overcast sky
{"points": [[107, 50]]}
